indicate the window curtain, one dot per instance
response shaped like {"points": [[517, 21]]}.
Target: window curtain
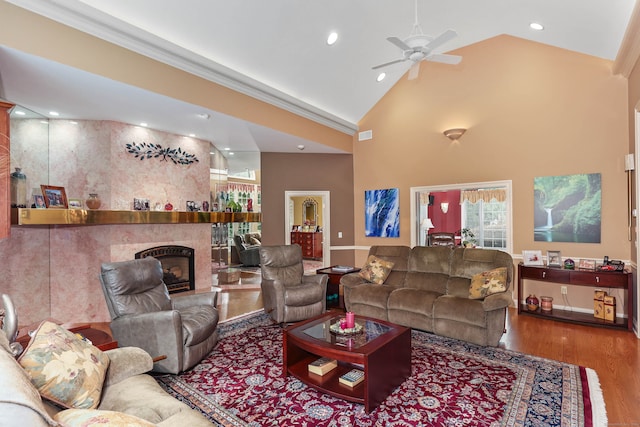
{"points": [[473, 196]]}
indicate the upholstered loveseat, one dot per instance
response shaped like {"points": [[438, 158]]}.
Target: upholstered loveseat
{"points": [[430, 288], [127, 391]]}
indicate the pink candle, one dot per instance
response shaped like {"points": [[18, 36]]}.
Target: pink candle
{"points": [[351, 319]]}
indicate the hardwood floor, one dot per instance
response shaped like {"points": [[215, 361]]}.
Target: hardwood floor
{"points": [[613, 354]]}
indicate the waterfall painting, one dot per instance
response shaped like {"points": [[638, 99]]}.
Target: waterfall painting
{"points": [[567, 208], [382, 213]]}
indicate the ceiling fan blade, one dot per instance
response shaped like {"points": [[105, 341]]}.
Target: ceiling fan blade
{"points": [[444, 58], [414, 70], [388, 63], [441, 39], [402, 45]]}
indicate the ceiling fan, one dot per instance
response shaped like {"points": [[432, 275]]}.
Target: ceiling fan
{"points": [[419, 47]]}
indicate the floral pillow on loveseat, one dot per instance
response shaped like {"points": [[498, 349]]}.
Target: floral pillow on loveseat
{"points": [[65, 369]]}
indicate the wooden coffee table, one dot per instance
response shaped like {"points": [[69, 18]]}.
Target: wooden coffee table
{"points": [[382, 350]]}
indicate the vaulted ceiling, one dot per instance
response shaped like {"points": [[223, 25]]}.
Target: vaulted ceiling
{"points": [[277, 50]]}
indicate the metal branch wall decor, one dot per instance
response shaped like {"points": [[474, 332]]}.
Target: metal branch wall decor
{"points": [[147, 151]]}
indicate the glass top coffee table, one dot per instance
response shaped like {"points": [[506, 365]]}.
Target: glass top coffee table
{"points": [[381, 349]]}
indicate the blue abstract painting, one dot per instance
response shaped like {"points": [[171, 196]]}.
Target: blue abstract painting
{"points": [[382, 213]]}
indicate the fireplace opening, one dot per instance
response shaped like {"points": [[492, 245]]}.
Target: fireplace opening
{"points": [[178, 271]]}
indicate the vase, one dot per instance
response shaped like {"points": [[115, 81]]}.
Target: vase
{"points": [[532, 302], [18, 189], [93, 202]]}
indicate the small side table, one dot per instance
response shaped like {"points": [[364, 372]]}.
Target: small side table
{"points": [[335, 298], [93, 332]]}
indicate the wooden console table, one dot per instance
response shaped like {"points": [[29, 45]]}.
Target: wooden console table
{"points": [[593, 279]]}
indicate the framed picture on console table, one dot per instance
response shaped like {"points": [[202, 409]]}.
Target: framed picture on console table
{"points": [[554, 259], [532, 257], [54, 197]]}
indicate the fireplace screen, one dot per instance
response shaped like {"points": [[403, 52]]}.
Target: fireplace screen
{"points": [[177, 266]]}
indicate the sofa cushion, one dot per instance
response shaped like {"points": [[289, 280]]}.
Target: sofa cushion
{"points": [[488, 283], [64, 368], [373, 295], [376, 270], [413, 300], [462, 310], [95, 417]]}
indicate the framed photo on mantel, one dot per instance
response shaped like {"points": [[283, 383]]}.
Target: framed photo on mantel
{"points": [[54, 197]]}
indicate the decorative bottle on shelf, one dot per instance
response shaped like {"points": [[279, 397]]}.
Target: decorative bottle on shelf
{"points": [[532, 302], [93, 202], [18, 189]]}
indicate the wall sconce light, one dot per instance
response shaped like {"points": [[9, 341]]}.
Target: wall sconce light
{"points": [[444, 206], [454, 134]]}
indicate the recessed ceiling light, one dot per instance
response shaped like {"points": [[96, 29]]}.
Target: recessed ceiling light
{"points": [[300, 147], [227, 148], [536, 26], [20, 113], [192, 135], [333, 37], [144, 124], [54, 113], [73, 122], [231, 153], [381, 77], [204, 116]]}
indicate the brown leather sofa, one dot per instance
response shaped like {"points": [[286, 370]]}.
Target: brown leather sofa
{"points": [[428, 289]]}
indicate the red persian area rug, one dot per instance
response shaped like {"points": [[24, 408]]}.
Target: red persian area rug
{"points": [[453, 383]]}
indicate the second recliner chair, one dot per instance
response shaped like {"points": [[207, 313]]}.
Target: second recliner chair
{"points": [[289, 295], [183, 328]]}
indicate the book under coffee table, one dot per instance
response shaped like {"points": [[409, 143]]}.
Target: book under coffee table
{"points": [[382, 350]]}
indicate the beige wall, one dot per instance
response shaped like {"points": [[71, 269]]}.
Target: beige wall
{"points": [[309, 172], [530, 110]]}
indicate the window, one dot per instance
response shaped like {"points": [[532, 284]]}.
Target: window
{"points": [[483, 207], [487, 221]]}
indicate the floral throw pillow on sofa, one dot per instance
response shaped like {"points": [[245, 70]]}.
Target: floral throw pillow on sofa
{"points": [[376, 270], [488, 283], [64, 368]]}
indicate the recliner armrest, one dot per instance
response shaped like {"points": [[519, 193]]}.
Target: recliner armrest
{"points": [[315, 278], [184, 301], [352, 279], [125, 362], [497, 301], [158, 333]]}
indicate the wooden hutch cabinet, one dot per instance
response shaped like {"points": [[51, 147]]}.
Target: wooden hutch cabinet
{"points": [[310, 241]]}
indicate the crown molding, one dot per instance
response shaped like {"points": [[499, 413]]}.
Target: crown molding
{"points": [[629, 51], [82, 17]]}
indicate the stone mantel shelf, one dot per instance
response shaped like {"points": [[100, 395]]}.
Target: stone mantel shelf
{"points": [[23, 216]]}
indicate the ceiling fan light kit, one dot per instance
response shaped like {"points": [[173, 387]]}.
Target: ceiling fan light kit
{"points": [[419, 47]]}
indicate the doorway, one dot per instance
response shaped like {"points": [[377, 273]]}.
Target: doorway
{"points": [[309, 212]]}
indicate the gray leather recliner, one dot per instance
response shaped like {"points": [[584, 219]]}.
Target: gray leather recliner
{"points": [[288, 295], [182, 328]]}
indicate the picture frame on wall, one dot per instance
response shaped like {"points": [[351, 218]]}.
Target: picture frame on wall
{"points": [[554, 259], [54, 197], [532, 257]]}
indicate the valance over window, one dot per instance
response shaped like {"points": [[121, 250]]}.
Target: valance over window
{"points": [[473, 196]]}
